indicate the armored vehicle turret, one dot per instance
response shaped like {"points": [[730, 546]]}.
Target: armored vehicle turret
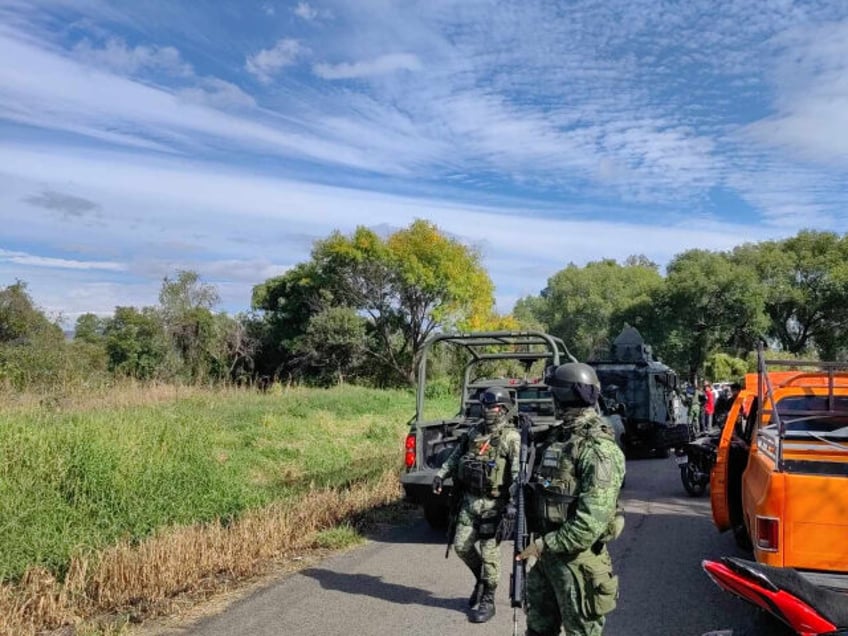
{"points": [[643, 390]]}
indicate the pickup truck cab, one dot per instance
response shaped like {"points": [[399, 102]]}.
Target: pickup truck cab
{"points": [[430, 442], [780, 479]]}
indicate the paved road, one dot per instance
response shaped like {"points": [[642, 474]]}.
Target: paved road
{"points": [[400, 583]]}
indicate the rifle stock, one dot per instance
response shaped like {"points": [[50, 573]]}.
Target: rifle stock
{"points": [[456, 502], [518, 579]]}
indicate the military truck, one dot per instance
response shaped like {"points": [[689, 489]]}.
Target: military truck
{"points": [[430, 442], [643, 391]]}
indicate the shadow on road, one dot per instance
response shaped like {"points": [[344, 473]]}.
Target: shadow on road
{"points": [[367, 585]]}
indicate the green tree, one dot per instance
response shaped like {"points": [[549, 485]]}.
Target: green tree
{"points": [[806, 283], [334, 345], [709, 303], [587, 306], [186, 305], [406, 286], [136, 343], [89, 328], [32, 347]]}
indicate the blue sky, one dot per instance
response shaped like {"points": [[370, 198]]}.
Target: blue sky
{"points": [[138, 138]]}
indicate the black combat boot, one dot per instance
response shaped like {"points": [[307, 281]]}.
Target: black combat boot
{"points": [[486, 609], [474, 599]]}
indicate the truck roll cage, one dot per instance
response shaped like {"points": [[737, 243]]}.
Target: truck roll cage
{"points": [[836, 375], [526, 346]]}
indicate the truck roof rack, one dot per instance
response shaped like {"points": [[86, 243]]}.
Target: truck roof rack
{"points": [[826, 375], [492, 345]]}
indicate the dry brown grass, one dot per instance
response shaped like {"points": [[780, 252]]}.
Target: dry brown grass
{"points": [[133, 582]]}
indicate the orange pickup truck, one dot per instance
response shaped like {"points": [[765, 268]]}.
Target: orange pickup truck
{"points": [[780, 478]]}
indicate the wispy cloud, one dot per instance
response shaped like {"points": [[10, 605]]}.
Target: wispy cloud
{"points": [[305, 11], [116, 55], [22, 258], [384, 64], [66, 204], [265, 64], [594, 130]]}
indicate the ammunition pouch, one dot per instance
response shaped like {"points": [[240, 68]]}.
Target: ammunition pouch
{"points": [[597, 586], [486, 524], [474, 476], [548, 507]]}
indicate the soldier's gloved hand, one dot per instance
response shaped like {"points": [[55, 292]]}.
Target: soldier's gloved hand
{"points": [[534, 549], [437, 485], [510, 511]]}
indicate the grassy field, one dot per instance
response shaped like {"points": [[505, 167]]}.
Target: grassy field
{"points": [[79, 475]]}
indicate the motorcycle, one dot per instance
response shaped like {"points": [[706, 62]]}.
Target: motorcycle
{"points": [[695, 460], [808, 609]]}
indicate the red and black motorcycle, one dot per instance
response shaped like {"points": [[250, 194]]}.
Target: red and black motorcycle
{"points": [[809, 609]]}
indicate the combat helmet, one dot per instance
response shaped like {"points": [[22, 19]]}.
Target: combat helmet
{"points": [[573, 384], [495, 396]]}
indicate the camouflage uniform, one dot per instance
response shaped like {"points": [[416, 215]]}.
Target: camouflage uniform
{"points": [[480, 512], [574, 508], [694, 414]]}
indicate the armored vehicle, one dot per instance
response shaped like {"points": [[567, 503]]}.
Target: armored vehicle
{"points": [[643, 391], [430, 442]]}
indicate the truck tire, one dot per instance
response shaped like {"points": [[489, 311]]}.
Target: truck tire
{"points": [[694, 486], [436, 515]]}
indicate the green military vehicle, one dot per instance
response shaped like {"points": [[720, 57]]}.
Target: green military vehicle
{"points": [[430, 442], [643, 391]]}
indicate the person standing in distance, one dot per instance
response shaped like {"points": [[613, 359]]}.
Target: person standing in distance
{"points": [[485, 464], [573, 512]]}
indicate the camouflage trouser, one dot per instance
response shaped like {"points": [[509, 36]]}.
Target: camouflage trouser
{"points": [[575, 593], [486, 560]]}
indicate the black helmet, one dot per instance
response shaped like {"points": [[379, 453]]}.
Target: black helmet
{"points": [[573, 384], [495, 395]]}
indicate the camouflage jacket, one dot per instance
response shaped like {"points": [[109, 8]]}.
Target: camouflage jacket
{"points": [[501, 445], [594, 464]]}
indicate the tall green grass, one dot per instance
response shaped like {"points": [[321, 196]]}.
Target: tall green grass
{"points": [[78, 480]]}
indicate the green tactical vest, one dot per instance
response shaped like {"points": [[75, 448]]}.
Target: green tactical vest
{"points": [[553, 488], [482, 468]]}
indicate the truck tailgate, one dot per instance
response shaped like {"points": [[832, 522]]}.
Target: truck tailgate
{"points": [[816, 515]]}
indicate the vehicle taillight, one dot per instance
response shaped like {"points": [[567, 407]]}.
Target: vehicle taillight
{"points": [[768, 534], [410, 450]]}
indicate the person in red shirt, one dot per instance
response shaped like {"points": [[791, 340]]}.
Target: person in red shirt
{"points": [[709, 406]]}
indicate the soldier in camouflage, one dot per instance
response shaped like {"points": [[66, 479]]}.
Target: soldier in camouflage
{"points": [[573, 512], [484, 464]]}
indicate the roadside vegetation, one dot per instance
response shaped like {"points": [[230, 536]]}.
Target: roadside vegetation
{"points": [[155, 450], [116, 508]]}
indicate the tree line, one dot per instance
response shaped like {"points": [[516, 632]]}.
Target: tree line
{"points": [[360, 308]]}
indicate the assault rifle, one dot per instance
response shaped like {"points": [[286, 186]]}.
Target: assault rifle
{"points": [[456, 503], [518, 578]]}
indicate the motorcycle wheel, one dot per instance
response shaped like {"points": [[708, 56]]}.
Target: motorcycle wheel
{"points": [[694, 487]]}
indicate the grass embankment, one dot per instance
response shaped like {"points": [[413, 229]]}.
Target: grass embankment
{"points": [[116, 509]]}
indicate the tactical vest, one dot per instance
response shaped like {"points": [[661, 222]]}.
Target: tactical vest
{"points": [[482, 468], [553, 487]]}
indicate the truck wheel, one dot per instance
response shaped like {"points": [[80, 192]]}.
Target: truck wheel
{"points": [[436, 516], [695, 487]]}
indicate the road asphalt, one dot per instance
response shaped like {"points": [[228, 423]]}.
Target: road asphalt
{"points": [[400, 583]]}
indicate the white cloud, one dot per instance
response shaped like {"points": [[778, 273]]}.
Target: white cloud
{"points": [[32, 260], [305, 11], [212, 91], [53, 92], [240, 220], [811, 94], [116, 55], [268, 62], [380, 66]]}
